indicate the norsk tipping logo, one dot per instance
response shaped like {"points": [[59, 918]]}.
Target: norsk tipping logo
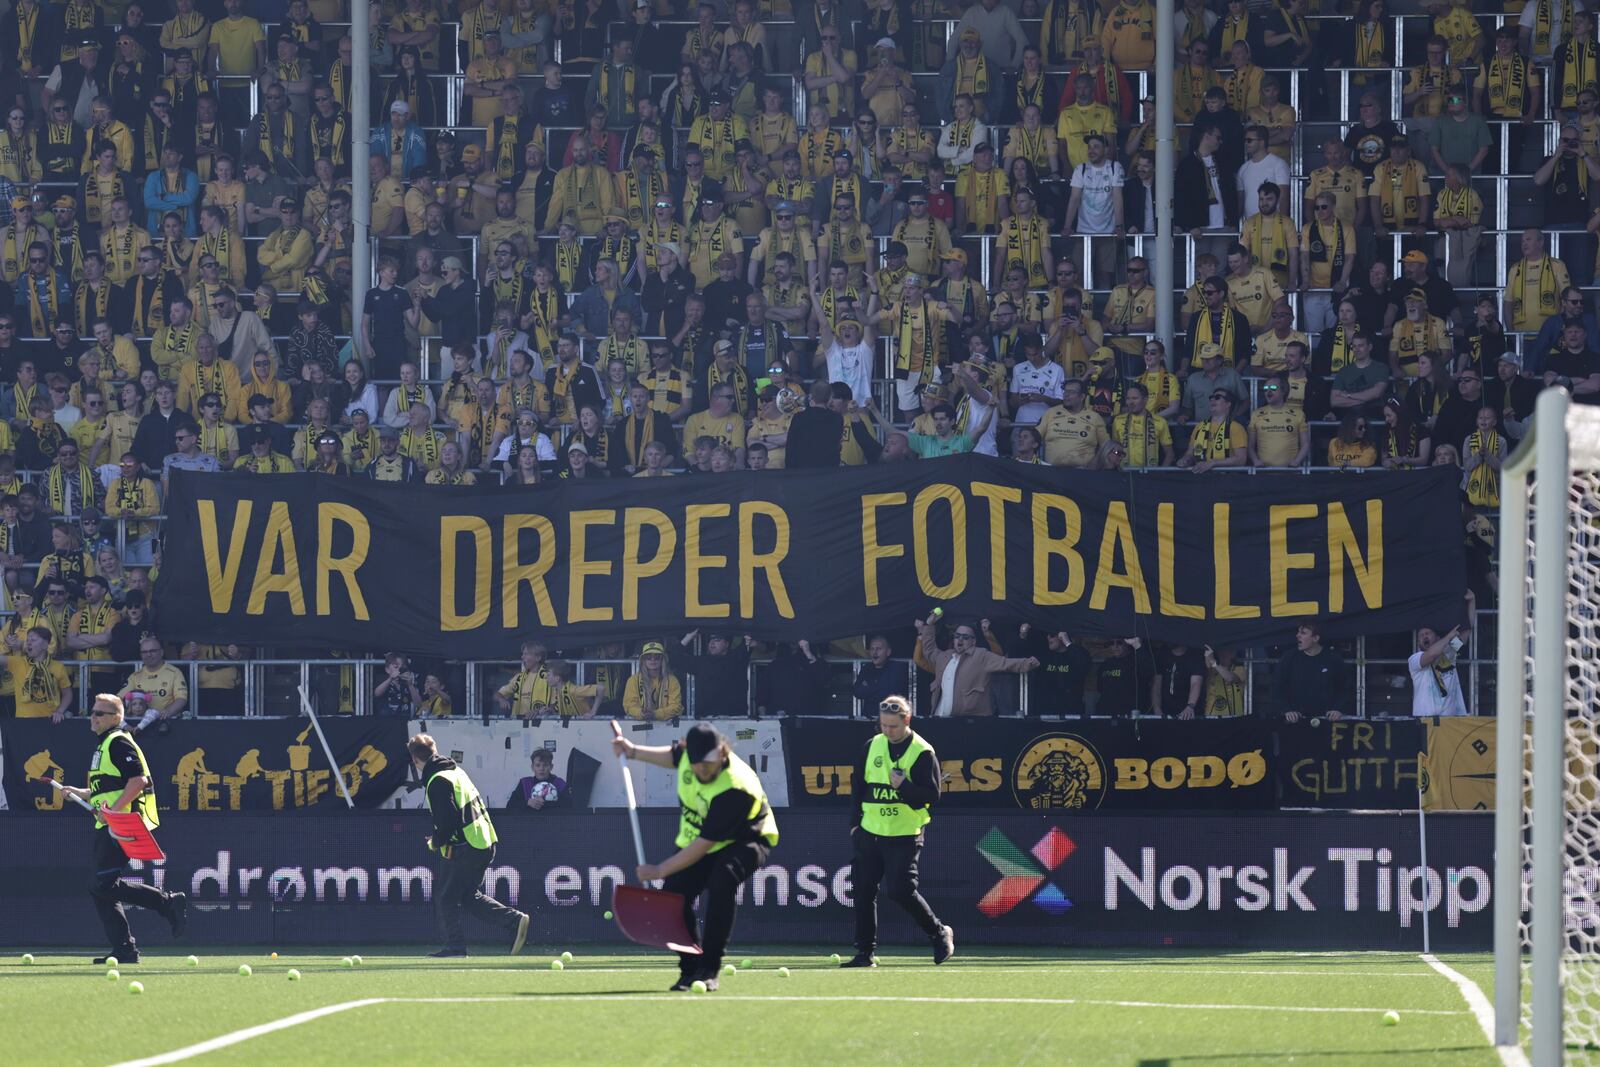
{"points": [[1023, 873]]}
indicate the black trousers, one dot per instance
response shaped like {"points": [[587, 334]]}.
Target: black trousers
{"points": [[458, 895], [891, 861], [717, 875], [110, 892]]}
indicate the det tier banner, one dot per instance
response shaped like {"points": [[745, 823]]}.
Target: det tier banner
{"points": [[471, 572], [255, 765]]}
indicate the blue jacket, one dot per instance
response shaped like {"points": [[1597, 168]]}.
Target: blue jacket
{"points": [[20, 310], [416, 147], [1549, 338], [158, 201], [592, 310]]}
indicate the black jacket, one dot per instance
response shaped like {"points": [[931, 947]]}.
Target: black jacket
{"points": [[815, 436], [721, 682], [584, 388], [1311, 684], [1190, 203]]}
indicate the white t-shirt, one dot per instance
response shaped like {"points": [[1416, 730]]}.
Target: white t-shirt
{"points": [[853, 367], [947, 688], [976, 413], [1557, 30], [1218, 218], [1096, 210], [1046, 381], [541, 444], [1435, 692], [1252, 175]]}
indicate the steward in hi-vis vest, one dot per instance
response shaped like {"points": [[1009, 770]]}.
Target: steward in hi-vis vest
{"points": [[895, 783], [725, 830], [119, 780], [464, 836]]}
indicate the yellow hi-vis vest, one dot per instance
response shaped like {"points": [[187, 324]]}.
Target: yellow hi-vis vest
{"points": [[106, 783], [882, 811], [476, 829], [695, 797]]}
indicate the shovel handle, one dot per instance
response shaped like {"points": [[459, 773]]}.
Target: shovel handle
{"points": [[633, 801]]}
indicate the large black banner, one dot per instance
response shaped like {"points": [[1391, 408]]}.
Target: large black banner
{"points": [[265, 764], [473, 571], [1250, 881], [1073, 766]]}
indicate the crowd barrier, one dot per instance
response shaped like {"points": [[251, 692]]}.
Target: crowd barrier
{"points": [[1282, 881]]}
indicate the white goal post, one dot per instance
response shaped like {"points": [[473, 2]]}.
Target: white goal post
{"points": [[1547, 821]]}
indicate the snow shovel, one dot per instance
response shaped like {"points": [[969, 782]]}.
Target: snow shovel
{"points": [[127, 828], [651, 917]]}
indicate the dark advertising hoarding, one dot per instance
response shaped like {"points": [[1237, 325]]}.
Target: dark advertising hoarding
{"points": [[1257, 881]]}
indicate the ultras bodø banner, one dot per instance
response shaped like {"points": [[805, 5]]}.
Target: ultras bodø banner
{"points": [[1252, 881], [471, 572]]}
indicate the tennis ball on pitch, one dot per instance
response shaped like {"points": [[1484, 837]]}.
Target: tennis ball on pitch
{"points": [[294, 975], [728, 968], [193, 961], [112, 961], [557, 965], [136, 988], [357, 960], [1391, 1018], [608, 916], [697, 986], [747, 964], [348, 961], [113, 974], [783, 972], [27, 959], [274, 955], [244, 970], [833, 958], [566, 957]]}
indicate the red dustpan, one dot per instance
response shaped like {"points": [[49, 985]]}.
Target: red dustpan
{"points": [[651, 917], [127, 828]]}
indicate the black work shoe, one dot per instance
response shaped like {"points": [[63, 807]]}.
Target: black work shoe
{"points": [[521, 937], [448, 954], [682, 984], [861, 959], [124, 956], [178, 913], [944, 946]]}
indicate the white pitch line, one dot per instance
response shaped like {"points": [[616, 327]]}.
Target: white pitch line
{"points": [[239, 1036], [1481, 1009]]}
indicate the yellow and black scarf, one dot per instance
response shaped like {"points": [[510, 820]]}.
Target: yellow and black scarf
{"points": [[42, 315], [1025, 244], [1544, 23], [1483, 484], [546, 309], [1213, 440], [1206, 332], [330, 137], [56, 489], [569, 258], [506, 157], [1507, 78], [1067, 24], [27, 35], [1577, 60], [219, 246], [1339, 355], [1371, 44], [89, 303], [263, 135], [917, 349], [817, 152], [972, 75]]}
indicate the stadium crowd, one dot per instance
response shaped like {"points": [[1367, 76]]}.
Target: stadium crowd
{"points": [[655, 239]]}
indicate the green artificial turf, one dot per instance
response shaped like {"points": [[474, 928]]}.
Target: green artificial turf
{"points": [[984, 1007]]}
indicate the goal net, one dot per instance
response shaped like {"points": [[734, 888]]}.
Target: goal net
{"points": [[1547, 821]]}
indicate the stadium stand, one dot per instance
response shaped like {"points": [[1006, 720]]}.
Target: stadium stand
{"points": [[1384, 223]]}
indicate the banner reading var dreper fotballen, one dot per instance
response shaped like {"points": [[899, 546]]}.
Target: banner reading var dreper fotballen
{"points": [[470, 572]]}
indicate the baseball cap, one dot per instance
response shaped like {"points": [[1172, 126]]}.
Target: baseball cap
{"points": [[1417, 295], [449, 262], [1399, 140], [400, 107], [844, 153], [702, 740], [578, 446], [955, 255], [650, 647], [722, 346], [471, 153], [895, 248], [386, 430], [64, 201], [20, 203], [1414, 256], [1210, 350]]}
